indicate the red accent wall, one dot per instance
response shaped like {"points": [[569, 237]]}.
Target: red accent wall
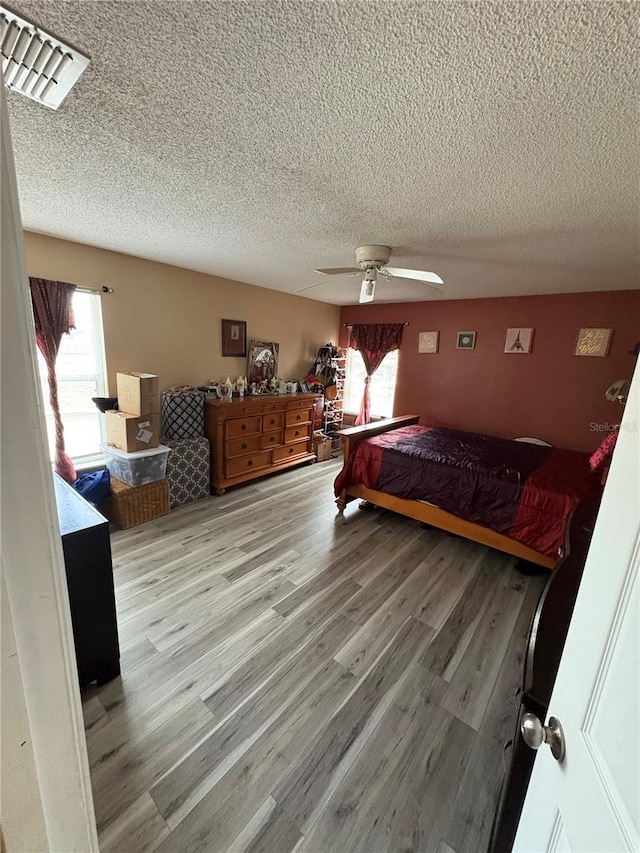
{"points": [[550, 394]]}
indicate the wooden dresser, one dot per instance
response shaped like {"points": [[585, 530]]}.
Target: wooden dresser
{"points": [[254, 436]]}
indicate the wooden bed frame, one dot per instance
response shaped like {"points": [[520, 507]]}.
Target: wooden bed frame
{"points": [[422, 511]]}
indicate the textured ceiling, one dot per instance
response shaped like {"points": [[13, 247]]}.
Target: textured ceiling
{"points": [[493, 143]]}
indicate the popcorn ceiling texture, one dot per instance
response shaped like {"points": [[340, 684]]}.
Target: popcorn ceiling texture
{"points": [[493, 143]]}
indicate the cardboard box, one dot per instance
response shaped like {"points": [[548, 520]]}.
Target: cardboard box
{"points": [[138, 393], [132, 432], [322, 448]]}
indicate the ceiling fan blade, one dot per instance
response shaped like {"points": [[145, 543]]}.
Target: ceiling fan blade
{"points": [[341, 271], [309, 286], [417, 275]]}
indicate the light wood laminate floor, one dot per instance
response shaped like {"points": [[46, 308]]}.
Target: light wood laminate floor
{"points": [[293, 683]]}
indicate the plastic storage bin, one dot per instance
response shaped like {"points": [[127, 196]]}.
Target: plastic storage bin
{"points": [[137, 469]]}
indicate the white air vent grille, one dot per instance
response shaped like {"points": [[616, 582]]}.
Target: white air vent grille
{"points": [[37, 64]]}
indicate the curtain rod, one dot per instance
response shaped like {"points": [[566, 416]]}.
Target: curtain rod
{"points": [[103, 289], [349, 325]]}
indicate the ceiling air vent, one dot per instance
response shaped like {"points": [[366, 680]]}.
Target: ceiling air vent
{"points": [[37, 64]]}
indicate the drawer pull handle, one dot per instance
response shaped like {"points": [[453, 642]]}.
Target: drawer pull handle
{"points": [[244, 426], [244, 446], [272, 438], [273, 421], [298, 417], [291, 450], [250, 463], [297, 432]]}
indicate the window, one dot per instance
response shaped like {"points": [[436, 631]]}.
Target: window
{"points": [[382, 388], [80, 368]]}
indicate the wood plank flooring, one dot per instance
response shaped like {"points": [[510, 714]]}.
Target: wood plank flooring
{"points": [[294, 683]]}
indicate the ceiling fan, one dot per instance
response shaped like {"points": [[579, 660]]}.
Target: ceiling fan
{"points": [[373, 261]]}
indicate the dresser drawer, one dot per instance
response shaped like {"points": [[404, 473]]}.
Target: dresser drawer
{"points": [[241, 409], [298, 416], [274, 407], [290, 451], [297, 433], [238, 427], [274, 420], [242, 446], [299, 404], [253, 462], [271, 439]]}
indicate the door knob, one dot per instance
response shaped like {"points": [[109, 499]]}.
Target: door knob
{"points": [[535, 734]]}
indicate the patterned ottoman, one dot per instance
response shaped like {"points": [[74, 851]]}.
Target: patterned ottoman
{"points": [[187, 470], [182, 414]]}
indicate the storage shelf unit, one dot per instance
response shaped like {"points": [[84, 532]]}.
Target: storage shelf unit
{"points": [[332, 420]]}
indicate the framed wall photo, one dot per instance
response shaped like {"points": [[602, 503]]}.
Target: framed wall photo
{"points": [[594, 342], [428, 341], [262, 361], [234, 337], [518, 340], [466, 340]]}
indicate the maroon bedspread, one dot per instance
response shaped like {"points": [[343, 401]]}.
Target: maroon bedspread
{"points": [[524, 491]]}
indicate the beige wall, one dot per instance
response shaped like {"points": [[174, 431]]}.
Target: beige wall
{"points": [[166, 320]]}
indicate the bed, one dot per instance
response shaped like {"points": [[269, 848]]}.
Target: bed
{"points": [[514, 496]]}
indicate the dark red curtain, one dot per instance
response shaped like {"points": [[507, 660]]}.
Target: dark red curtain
{"points": [[53, 316], [373, 341]]}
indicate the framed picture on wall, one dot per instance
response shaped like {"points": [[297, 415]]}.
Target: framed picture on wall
{"points": [[594, 342], [262, 361], [234, 337], [428, 341], [518, 341], [466, 340]]}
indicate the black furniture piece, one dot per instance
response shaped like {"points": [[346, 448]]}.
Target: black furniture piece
{"points": [[546, 641], [87, 559]]}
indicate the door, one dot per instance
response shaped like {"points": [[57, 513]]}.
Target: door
{"points": [[46, 788], [590, 800]]}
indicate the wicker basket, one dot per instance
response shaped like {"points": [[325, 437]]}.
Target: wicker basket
{"points": [[129, 506]]}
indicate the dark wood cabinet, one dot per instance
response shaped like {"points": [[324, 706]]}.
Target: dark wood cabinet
{"points": [[87, 559]]}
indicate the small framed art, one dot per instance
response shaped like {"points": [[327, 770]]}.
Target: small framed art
{"points": [[466, 340], [594, 342], [234, 337], [518, 340], [428, 341]]}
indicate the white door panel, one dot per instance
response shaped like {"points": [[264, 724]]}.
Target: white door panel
{"points": [[590, 801], [559, 841]]}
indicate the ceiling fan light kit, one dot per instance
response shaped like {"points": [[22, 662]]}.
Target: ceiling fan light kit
{"points": [[373, 259], [368, 288]]}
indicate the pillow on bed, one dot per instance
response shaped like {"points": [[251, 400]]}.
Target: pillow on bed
{"points": [[602, 456]]}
